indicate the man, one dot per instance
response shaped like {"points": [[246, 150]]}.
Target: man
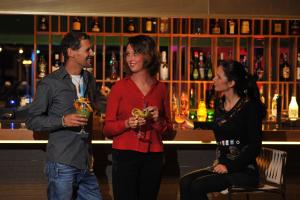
{"points": [[68, 168]]}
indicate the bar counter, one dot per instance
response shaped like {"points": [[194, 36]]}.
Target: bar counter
{"points": [[183, 136]]}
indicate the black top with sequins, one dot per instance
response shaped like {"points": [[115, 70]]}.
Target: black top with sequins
{"points": [[238, 134]]}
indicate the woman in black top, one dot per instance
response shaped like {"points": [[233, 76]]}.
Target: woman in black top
{"points": [[237, 128]]}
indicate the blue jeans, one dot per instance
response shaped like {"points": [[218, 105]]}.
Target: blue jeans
{"points": [[66, 182]]}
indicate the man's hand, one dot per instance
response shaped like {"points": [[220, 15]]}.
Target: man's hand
{"points": [[74, 119]]}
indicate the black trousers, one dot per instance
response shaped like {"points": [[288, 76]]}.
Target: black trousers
{"points": [[135, 175], [196, 185]]}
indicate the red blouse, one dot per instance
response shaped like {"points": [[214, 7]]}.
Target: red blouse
{"points": [[124, 96]]}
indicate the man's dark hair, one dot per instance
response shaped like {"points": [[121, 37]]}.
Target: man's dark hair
{"points": [[72, 40]]}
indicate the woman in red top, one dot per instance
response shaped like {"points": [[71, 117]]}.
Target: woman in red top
{"points": [[137, 117]]}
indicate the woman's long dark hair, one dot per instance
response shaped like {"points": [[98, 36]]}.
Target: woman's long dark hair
{"points": [[245, 83]]}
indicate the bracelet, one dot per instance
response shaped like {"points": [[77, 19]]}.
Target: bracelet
{"points": [[62, 121]]}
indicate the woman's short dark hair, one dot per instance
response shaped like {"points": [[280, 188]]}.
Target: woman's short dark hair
{"points": [[72, 40], [146, 46]]}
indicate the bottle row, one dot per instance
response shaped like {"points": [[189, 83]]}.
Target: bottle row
{"points": [[169, 25], [201, 66], [196, 103]]}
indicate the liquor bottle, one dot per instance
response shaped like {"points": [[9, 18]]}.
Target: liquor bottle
{"points": [[175, 106], [245, 27], [192, 111], [259, 70], [285, 69], [293, 109], [195, 71], [43, 23], [278, 108], [298, 67], [295, 28], [208, 68], [164, 25], [95, 26], [56, 63], [42, 67], [216, 29], [261, 94], [274, 106], [76, 25], [210, 103], [231, 27], [192, 98], [113, 63], [244, 62], [148, 25], [201, 66], [184, 104], [130, 26], [221, 59], [164, 70], [230, 58], [277, 27], [201, 111]]}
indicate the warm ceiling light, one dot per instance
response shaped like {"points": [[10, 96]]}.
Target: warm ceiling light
{"points": [[0, 49]]}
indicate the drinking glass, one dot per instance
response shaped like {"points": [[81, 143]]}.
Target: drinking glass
{"points": [[83, 107]]}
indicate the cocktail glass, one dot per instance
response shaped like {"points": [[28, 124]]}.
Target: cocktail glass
{"points": [[83, 107]]}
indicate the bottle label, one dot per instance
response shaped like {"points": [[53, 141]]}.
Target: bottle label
{"points": [[298, 73], [76, 26], [163, 72], [286, 72], [149, 26], [245, 27], [277, 28]]}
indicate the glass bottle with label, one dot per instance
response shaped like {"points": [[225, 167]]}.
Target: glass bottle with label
{"points": [[295, 27], [293, 109], [95, 26], [245, 27], [164, 25], [244, 62], [274, 106], [277, 27], [43, 23], [148, 25], [221, 59], [42, 67], [113, 63], [164, 70], [298, 67], [231, 26], [216, 29], [130, 25], [285, 69], [259, 70], [208, 68], [201, 66], [56, 63], [76, 25], [192, 111], [195, 63]]}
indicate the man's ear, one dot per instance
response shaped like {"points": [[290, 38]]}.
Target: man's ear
{"points": [[70, 52]]}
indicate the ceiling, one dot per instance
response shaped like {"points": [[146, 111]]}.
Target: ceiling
{"points": [[156, 8]]}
